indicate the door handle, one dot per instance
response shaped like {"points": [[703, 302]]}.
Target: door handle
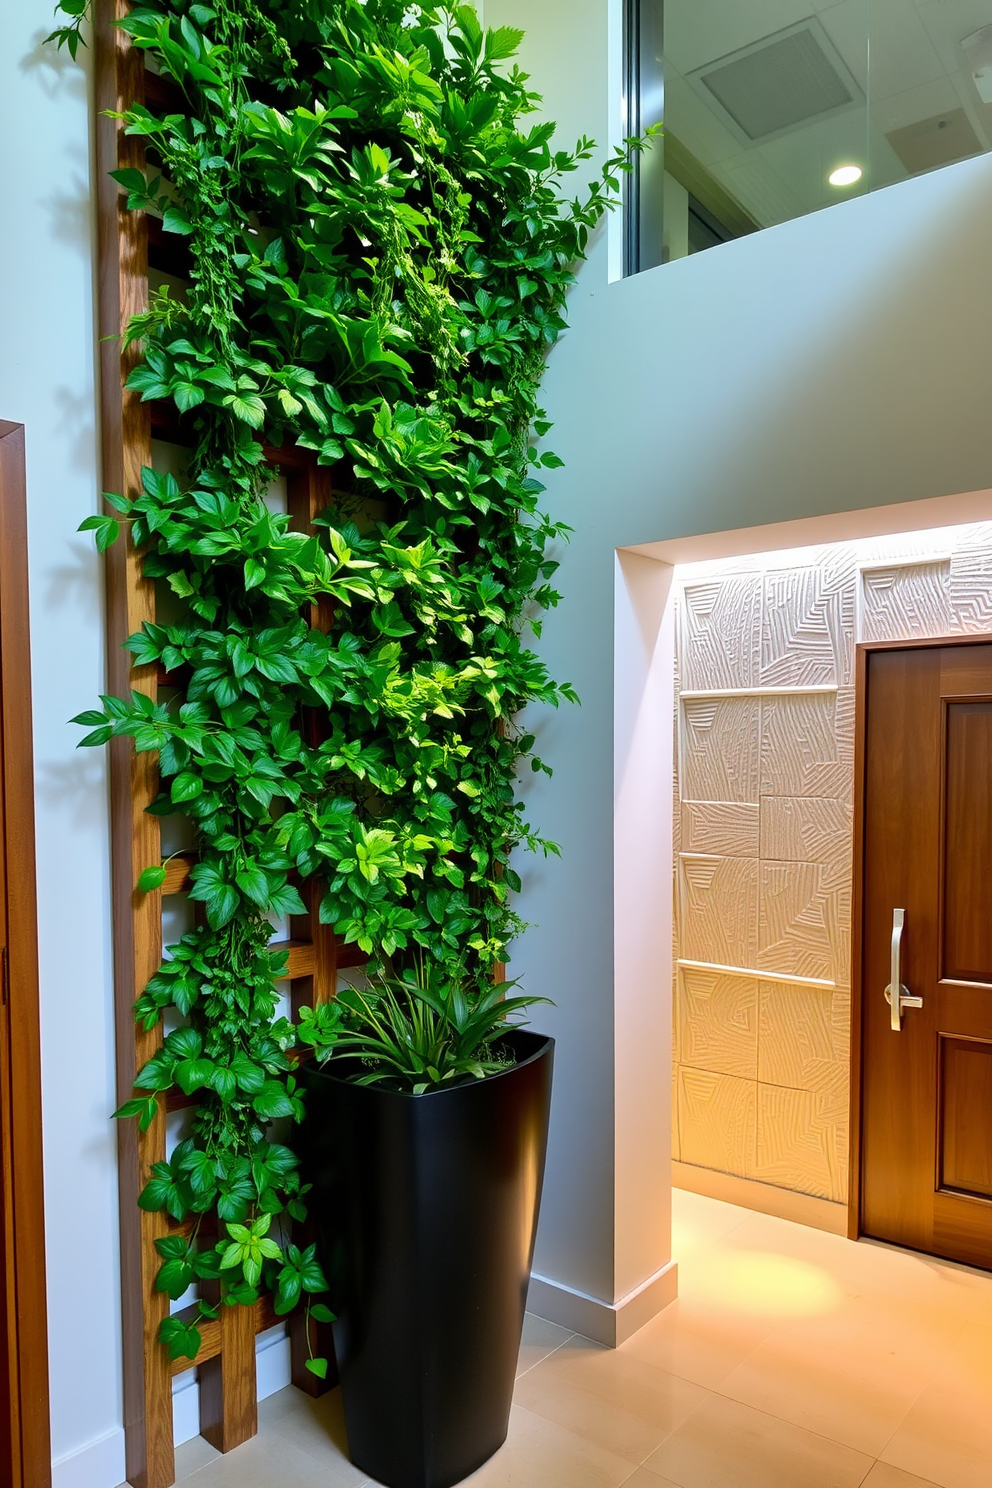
{"points": [[896, 995]]}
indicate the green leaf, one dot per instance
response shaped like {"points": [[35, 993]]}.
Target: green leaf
{"points": [[186, 787], [107, 530], [145, 1108], [182, 1340], [151, 878], [175, 220], [317, 1367], [322, 1314], [272, 1101]]}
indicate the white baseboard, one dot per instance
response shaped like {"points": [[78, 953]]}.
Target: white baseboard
{"points": [[784, 1203], [611, 1323], [273, 1372], [100, 1464]]}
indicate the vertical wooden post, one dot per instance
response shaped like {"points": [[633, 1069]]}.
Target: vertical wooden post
{"points": [[308, 494], [228, 1387], [126, 434]]}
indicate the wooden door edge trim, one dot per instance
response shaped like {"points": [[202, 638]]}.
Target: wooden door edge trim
{"points": [[857, 930], [923, 643], [30, 1321]]}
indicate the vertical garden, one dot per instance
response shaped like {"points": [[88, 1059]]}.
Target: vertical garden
{"points": [[379, 250]]}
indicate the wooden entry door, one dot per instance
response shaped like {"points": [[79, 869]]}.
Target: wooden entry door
{"points": [[926, 1075]]}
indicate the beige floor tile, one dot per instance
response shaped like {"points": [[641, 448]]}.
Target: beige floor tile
{"points": [[698, 1343], [727, 1445], [699, 1223], [271, 1460], [946, 1438], [540, 1338], [762, 1284], [967, 1364], [905, 1334], [608, 1397], [884, 1476], [540, 1454], [852, 1396], [193, 1455], [862, 1265], [313, 1426], [645, 1478]]}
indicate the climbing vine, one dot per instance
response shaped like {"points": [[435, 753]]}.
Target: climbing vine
{"points": [[379, 254]]}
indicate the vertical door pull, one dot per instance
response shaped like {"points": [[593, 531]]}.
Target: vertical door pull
{"points": [[896, 995]]}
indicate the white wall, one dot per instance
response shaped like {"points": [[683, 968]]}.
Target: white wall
{"points": [[47, 367], [832, 363]]}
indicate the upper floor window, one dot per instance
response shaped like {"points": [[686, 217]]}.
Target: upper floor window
{"points": [[776, 108]]}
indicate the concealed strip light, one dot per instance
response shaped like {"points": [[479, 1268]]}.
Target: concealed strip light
{"points": [[845, 175]]}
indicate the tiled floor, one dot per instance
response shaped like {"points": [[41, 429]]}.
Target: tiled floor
{"points": [[792, 1359]]}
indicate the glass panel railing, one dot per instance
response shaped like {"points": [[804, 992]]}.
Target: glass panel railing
{"points": [[773, 109]]}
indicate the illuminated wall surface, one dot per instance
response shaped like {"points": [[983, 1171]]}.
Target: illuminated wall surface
{"points": [[764, 789]]}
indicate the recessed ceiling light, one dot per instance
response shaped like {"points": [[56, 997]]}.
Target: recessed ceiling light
{"points": [[845, 175]]}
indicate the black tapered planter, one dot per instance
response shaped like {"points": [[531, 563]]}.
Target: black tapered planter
{"points": [[426, 1209]]}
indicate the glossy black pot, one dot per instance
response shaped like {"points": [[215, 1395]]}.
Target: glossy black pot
{"points": [[426, 1209]]}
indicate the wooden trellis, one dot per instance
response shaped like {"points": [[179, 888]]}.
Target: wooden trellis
{"points": [[131, 243]]}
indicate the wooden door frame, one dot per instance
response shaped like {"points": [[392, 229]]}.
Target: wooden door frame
{"points": [[862, 652], [20, 1119]]}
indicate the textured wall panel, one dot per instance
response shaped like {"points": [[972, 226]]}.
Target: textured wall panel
{"points": [[719, 633], [801, 1029], [717, 1115], [808, 623], [970, 589], [808, 829], [775, 1106], [718, 910], [727, 828], [719, 749], [906, 600], [799, 1144], [718, 1022], [803, 921], [801, 753]]}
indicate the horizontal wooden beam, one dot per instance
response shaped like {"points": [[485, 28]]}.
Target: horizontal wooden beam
{"points": [[210, 1332]]}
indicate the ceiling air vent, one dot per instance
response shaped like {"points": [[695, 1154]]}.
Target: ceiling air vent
{"points": [[778, 83]]}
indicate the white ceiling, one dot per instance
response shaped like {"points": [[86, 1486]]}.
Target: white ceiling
{"points": [[916, 72]]}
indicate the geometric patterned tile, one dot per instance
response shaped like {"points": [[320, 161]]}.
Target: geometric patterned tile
{"points": [[728, 829], [970, 589], [808, 829], [808, 623], [802, 753], [718, 1022], [718, 910], [719, 628], [804, 921], [719, 749], [717, 1121], [906, 600], [802, 1036], [800, 1144]]}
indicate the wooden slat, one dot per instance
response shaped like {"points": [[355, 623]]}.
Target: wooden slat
{"points": [[308, 494], [228, 1387], [126, 442], [177, 871]]}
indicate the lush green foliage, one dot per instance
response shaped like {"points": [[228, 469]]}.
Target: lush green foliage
{"points": [[415, 1032], [379, 254]]}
